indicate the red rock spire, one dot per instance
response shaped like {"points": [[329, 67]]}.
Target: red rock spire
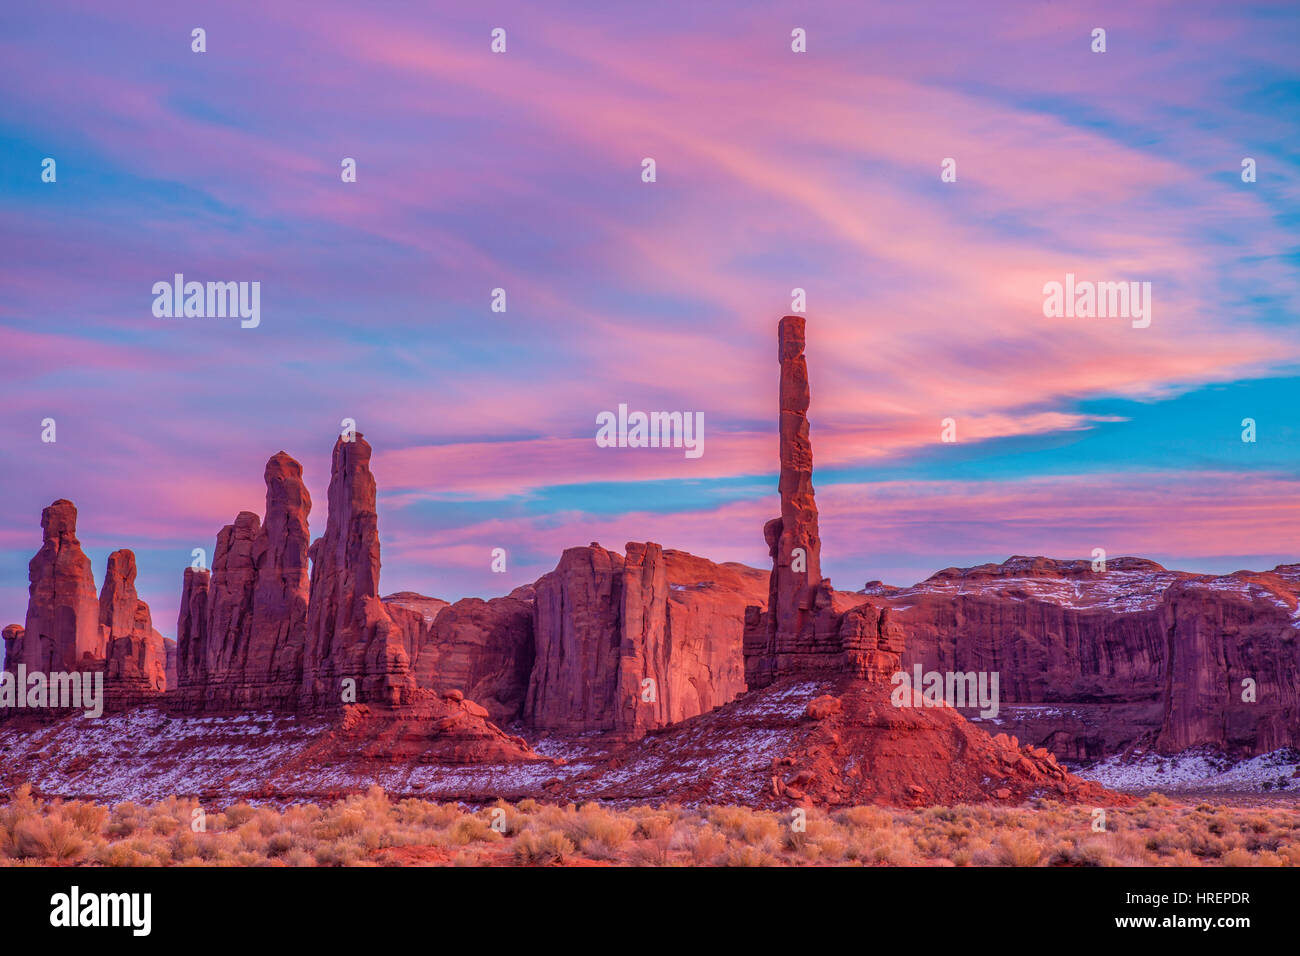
{"points": [[136, 656], [799, 631], [351, 633], [278, 630], [797, 567], [62, 628], [243, 627]]}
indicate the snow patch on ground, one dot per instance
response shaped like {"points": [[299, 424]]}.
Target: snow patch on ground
{"points": [[1198, 770]]}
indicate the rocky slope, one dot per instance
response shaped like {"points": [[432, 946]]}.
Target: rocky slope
{"points": [[433, 745], [821, 742]]}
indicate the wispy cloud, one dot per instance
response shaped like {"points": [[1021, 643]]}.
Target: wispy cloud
{"points": [[522, 171]]}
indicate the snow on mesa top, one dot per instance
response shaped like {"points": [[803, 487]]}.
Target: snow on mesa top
{"points": [[1138, 655]]}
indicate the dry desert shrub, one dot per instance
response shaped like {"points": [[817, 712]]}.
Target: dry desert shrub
{"points": [[598, 832], [471, 829], [745, 855], [541, 849], [705, 845], [50, 838], [370, 829]]}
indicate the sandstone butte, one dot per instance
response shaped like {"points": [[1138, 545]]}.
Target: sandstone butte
{"points": [[676, 661]]}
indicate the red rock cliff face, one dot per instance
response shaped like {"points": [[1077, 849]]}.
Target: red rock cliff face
{"points": [[644, 651], [484, 649], [62, 629], [414, 614], [706, 612], [136, 666], [1223, 631], [575, 680], [1090, 662], [352, 635], [427, 607], [871, 640], [192, 635], [170, 664], [629, 644]]}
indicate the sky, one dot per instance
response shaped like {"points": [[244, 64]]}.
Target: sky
{"points": [[774, 170]]}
